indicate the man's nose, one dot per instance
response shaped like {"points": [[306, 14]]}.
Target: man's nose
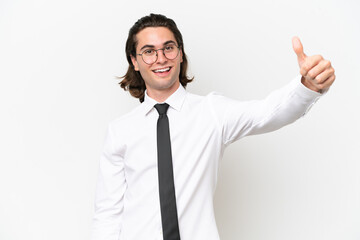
{"points": [[161, 56]]}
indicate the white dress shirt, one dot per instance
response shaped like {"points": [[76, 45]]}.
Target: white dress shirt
{"points": [[127, 205]]}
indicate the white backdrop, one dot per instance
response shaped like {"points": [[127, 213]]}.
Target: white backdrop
{"points": [[58, 60]]}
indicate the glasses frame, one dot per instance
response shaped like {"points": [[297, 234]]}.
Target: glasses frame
{"points": [[156, 50]]}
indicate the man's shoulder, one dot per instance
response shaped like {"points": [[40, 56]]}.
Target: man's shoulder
{"points": [[211, 96], [128, 117]]}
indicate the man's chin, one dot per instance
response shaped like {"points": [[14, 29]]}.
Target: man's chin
{"points": [[163, 87]]}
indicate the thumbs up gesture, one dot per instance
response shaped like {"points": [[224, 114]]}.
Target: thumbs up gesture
{"points": [[317, 72]]}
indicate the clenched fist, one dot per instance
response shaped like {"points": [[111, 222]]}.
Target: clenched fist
{"points": [[317, 72]]}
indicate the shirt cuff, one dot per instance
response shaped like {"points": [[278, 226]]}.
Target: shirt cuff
{"points": [[308, 90], [306, 93]]}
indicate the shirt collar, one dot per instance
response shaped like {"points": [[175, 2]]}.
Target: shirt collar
{"points": [[175, 100]]}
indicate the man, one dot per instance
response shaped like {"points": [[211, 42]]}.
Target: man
{"points": [[158, 171]]}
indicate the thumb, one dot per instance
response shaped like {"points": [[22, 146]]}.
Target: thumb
{"points": [[298, 49]]}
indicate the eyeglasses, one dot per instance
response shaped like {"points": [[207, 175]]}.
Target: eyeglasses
{"points": [[170, 51]]}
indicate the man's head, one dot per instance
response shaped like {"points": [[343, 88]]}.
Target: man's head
{"points": [[151, 33]]}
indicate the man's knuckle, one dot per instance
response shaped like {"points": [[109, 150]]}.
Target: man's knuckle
{"points": [[327, 64], [311, 74], [306, 67]]}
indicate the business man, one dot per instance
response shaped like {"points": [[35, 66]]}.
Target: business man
{"points": [[158, 170]]}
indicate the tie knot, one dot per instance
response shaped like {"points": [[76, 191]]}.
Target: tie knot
{"points": [[162, 108]]}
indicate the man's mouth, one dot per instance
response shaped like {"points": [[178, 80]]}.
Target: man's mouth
{"points": [[162, 70]]}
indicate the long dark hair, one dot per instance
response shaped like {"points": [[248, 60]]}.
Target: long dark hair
{"points": [[132, 80]]}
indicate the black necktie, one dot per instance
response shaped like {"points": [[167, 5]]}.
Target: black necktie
{"points": [[169, 216]]}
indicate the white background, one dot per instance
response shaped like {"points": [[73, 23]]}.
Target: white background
{"points": [[58, 62]]}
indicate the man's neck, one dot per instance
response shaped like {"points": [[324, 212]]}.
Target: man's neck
{"points": [[163, 94]]}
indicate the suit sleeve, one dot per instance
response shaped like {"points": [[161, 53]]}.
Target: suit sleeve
{"points": [[243, 118], [110, 190]]}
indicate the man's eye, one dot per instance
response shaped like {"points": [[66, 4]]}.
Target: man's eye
{"points": [[169, 48], [149, 52]]}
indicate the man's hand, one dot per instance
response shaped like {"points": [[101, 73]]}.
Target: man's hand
{"points": [[317, 73]]}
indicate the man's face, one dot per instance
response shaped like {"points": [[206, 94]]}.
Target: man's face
{"points": [[155, 38]]}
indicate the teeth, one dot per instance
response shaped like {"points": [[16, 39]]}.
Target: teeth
{"points": [[162, 70]]}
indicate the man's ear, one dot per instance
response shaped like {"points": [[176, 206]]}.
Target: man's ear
{"points": [[135, 63]]}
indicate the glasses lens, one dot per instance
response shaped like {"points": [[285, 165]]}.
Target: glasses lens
{"points": [[171, 51], [149, 56]]}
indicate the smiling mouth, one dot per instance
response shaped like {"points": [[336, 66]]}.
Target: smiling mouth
{"points": [[162, 70]]}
